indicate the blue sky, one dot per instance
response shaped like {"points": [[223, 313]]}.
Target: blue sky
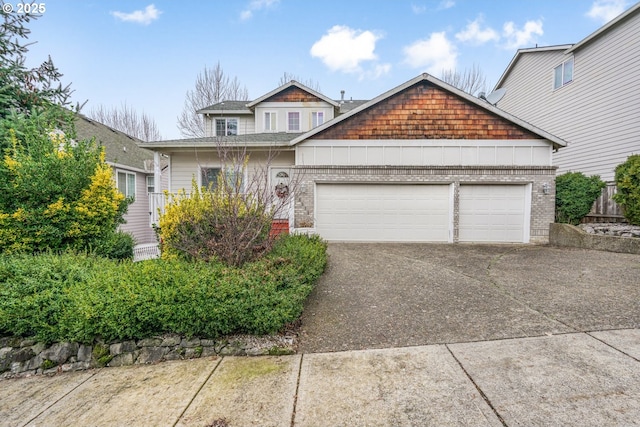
{"points": [[148, 53]]}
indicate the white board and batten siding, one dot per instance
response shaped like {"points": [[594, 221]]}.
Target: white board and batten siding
{"points": [[425, 152], [597, 113]]}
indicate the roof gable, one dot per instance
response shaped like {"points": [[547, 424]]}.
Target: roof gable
{"points": [[427, 108], [293, 92]]}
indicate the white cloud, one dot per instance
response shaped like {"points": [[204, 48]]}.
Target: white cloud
{"points": [[256, 5], [473, 34], [434, 54], [446, 4], [605, 10], [517, 38], [144, 17], [418, 9], [345, 49]]}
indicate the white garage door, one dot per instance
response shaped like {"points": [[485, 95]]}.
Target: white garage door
{"points": [[379, 212], [493, 213]]}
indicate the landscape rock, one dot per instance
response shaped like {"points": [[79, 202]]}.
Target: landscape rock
{"points": [[151, 355], [60, 352], [123, 347], [150, 342]]}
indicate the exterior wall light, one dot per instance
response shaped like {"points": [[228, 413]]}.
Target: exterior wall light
{"points": [[546, 188]]}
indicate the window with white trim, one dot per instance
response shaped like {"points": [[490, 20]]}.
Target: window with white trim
{"points": [[226, 127], [151, 184], [563, 74], [270, 121], [293, 121], [126, 182], [234, 178], [317, 118]]}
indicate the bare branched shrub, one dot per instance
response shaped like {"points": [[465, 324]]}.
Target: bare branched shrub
{"points": [[231, 219]]}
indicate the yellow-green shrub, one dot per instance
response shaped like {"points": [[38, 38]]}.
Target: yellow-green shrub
{"points": [[55, 193]]}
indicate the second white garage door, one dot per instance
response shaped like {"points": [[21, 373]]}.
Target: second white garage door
{"points": [[383, 212], [493, 213]]}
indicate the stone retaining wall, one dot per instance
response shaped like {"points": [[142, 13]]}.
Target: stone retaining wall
{"points": [[24, 357], [572, 236]]}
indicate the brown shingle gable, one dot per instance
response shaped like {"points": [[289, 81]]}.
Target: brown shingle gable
{"points": [[293, 94], [425, 111]]}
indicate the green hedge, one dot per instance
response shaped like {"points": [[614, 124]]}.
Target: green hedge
{"points": [[83, 298]]}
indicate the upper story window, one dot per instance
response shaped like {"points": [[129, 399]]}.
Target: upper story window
{"points": [[563, 73], [226, 127], [317, 118], [293, 121], [126, 182], [270, 121]]}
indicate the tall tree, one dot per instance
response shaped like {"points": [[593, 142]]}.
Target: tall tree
{"points": [[127, 120], [310, 83], [23, 88], [212, 85], [471, 80]]}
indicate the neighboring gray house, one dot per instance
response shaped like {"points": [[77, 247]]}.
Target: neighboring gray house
{"points": [[586, 93], [132, 170], [423, 162]]}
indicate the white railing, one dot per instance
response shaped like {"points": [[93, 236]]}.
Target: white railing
{"points": [[146, 251], [158, 201]]}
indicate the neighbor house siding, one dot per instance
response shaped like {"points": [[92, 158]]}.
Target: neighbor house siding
{"points": [[137, 215], [597, 113]]}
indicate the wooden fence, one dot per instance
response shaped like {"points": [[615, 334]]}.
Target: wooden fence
{"points": [[604, 209]]}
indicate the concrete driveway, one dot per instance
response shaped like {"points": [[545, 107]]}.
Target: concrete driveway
{"points": [[398, 295]]}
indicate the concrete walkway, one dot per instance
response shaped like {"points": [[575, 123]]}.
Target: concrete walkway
{"points": [[577, 379]]}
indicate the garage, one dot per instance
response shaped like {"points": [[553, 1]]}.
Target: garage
{"points": [[494, 213], [384, 212]]}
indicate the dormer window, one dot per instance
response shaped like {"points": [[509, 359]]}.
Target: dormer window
{"points": [[563, 74]]}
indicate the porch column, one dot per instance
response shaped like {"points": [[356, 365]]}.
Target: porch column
{"points": [[157, 172]]}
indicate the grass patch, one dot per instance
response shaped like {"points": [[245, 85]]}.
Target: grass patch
{"points": [[83, 298]]}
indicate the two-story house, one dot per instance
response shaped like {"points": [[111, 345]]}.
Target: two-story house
{"points": [[585, 93], [422, 162]]}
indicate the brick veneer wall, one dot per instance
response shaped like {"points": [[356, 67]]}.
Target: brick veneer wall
{"points": [[542, 205]]}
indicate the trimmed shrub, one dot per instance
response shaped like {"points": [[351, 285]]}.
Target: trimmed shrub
{"points": [[575, 194], [627, 178], [117, 245], [82, 298]]}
